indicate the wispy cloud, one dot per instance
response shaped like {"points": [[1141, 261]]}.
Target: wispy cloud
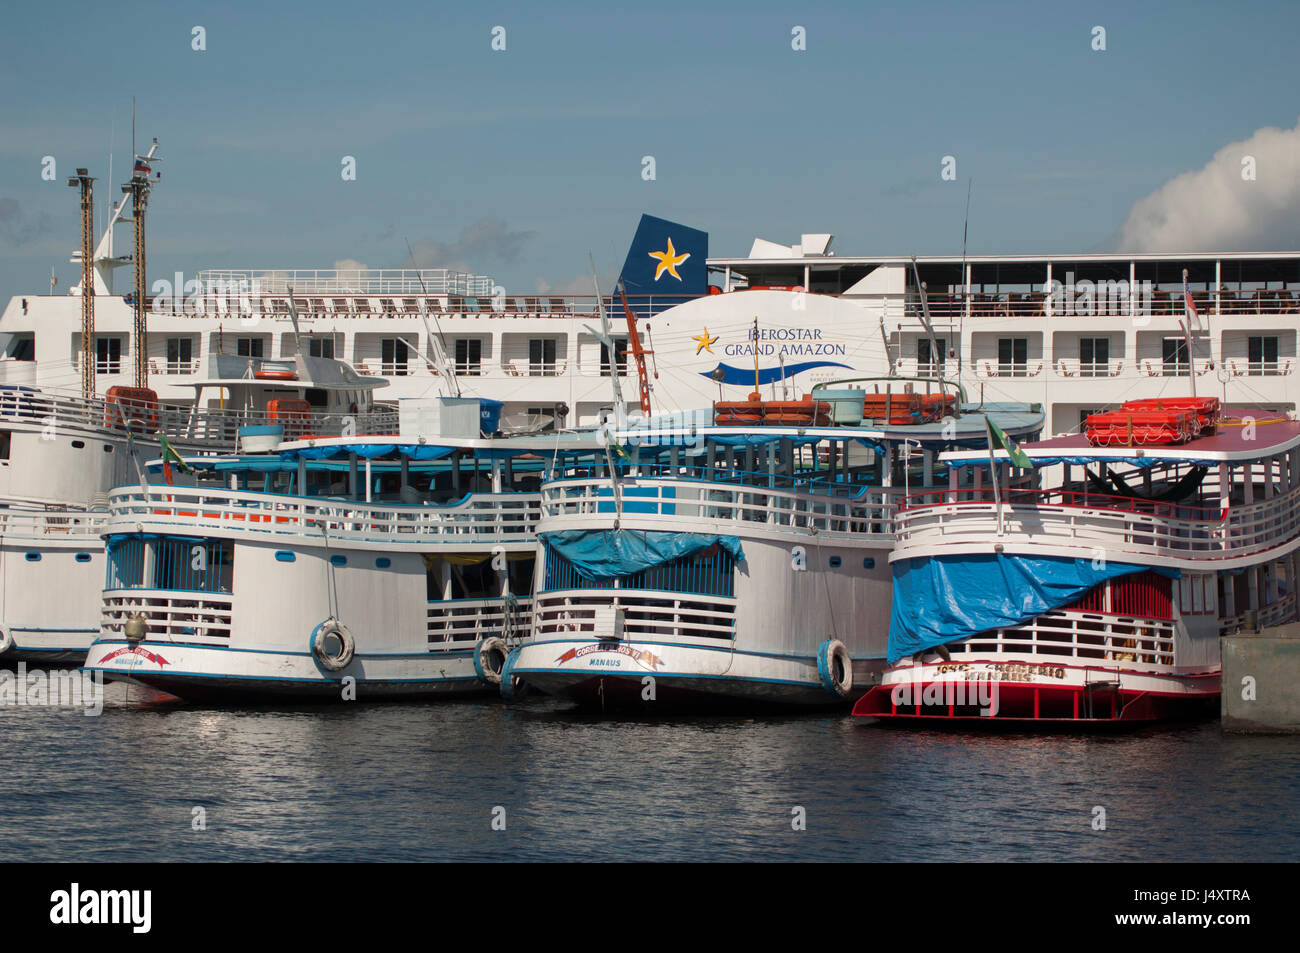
{"points": [[22, 228], [1215, 208], [486, 241]]}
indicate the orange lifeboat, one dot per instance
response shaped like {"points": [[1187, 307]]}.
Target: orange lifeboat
{"points": [[892, 408], [1138, 427], [938, 406], [1205, 411], [293, 412], [275, 375], [772, 413], [131, 408]]}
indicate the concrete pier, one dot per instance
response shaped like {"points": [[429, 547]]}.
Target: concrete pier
{"points": [[1261, 681]]}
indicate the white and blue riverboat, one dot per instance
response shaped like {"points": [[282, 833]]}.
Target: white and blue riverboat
{"points": [[706, 564], [335, 568]]}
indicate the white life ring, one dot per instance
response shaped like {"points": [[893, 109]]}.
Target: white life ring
{"points": [[332, 628], [6, 641], [835, 668], [490, 658]]}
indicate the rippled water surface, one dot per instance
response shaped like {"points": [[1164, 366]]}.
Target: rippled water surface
{"points": [[421, 782]]}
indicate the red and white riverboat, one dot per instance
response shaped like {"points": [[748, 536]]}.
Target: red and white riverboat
{"points": [[1094, 586]]}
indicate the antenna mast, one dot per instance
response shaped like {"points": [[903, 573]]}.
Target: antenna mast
{"points": [[138, 188], [84, 181]]}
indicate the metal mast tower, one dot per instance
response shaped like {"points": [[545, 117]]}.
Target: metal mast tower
{"points": [[138, 188], [84, 181]]}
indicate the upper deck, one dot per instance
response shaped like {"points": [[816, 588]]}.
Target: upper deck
{"points": [[1226, 500]]}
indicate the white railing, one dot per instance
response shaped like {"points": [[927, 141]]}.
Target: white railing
{"points": [[1244, 367], [647, 615], [467, 620], [1116, 525], [169, 616], [1275, 613], [186, 426], [690, 500], [1076, 637], [345, 281], [482, 518], [54, 523]]}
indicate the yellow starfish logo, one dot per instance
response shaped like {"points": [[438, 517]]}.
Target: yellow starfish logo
{"points": [[705, 343], [668, 261]]}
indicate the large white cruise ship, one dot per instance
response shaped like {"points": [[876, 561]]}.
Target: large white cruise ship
{"points": [[1075, 333]]}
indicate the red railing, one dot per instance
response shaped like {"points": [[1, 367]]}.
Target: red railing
{"points": [[1144, 595]]}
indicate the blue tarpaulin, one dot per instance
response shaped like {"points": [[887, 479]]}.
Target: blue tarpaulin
{"points": [[603, 554], [948, 598]]}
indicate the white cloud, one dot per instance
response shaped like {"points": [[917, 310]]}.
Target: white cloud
{"points": [[1215, 209]]}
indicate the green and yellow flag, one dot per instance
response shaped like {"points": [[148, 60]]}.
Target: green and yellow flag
{"points": [[998, 440]]}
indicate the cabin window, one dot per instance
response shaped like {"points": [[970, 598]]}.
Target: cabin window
{"points": [[1174, 357], [1013, 357], [929, 362], [394, 353], [21, 348], [321, 347], [541, 419], [835, 562], [469, 356], [284, 556], [249, 347], [317, 397], [541, 357], [82, 557], [1094, 357], [620, 357], [868, 563], [108, 355], [33, 557], [337, 560], [180, 355], [383, 562], [1262, 354], [5, 438]]}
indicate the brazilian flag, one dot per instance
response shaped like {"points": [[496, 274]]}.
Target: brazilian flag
{"points": [[998, 440]]}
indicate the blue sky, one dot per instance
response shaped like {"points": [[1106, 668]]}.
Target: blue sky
{"points": [[537, 150]]}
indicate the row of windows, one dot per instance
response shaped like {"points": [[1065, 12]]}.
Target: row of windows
{"points": [[1094, 354], [181, 357], [542, 353], [396, 354]]}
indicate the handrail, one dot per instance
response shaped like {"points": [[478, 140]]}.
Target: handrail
{"points": [[1237, 532], [204, 427], [489, 516]]}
